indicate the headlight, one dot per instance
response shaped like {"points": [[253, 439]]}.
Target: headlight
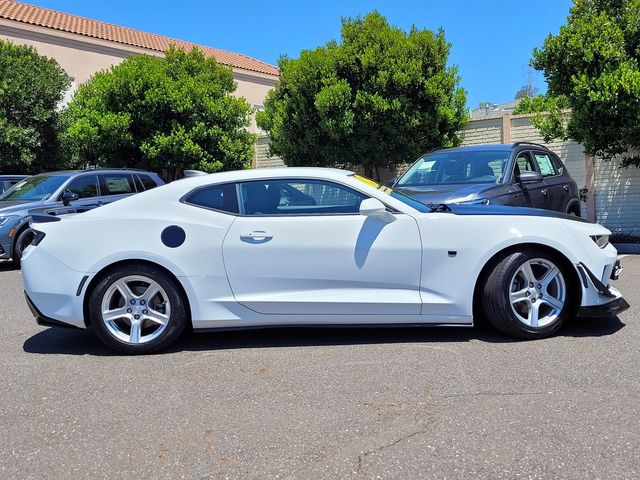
{"points": [[480, 201], [601, 240], [4, 220]]}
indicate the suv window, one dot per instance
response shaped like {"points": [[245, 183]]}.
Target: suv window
{"points": [[217, 197], [117, 183], [524, 164], [298, 197], [147, 182], [85, 186], [547, 168]]}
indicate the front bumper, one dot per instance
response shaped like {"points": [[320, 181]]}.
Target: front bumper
{"points": [[605, 310], [600, 299]]}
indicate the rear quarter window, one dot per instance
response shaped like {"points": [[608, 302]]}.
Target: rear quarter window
{"points": [[147, 182], [216, 197]]}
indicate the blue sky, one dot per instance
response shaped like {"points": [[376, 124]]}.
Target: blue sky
{"points": [[492, 40]]}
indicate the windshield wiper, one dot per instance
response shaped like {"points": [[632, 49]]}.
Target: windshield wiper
{"points": [[439, 207]]}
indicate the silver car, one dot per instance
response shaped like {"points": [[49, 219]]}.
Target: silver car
{"points": [[60, 193]]}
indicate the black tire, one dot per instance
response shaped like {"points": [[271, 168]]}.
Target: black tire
{"points": [[24, 239], [177, 314], [508, 276]]}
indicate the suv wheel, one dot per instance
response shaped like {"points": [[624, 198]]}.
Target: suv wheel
{"points": [[25, 237]]}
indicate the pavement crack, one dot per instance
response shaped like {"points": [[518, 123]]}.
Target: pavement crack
{"points": [[361, 457], [494, 394]]}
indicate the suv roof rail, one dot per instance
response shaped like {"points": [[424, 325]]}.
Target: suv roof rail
{"points": [[115, 168], [516, 144]]}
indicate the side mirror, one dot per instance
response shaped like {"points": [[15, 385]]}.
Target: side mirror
{"points": [[392, 181], [530, 177], [68, 197], [372, 207]]}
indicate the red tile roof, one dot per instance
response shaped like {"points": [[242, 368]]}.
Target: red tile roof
{"points": [[43, 17]]}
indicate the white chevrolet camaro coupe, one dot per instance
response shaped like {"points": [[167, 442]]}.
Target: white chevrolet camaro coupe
{"points": [[310, 246]]}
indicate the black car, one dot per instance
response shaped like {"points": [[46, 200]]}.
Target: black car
{"points": [[520, 174], [8, 181], [63, 193]]}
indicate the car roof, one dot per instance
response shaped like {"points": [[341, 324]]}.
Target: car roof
{"points": [[94, 170], [263, 173], [506, 147]]}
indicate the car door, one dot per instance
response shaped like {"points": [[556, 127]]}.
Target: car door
{"points": [[533, 195], [312, 253], [86, 186], [557, 186]]}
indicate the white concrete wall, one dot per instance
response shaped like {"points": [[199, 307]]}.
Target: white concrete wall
{"points": [[617, 197], [483, 131]]}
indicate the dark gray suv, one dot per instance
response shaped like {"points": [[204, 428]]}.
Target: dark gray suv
{"points": [[520, 174], [61, 193]]}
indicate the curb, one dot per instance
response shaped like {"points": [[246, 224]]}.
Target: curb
{"points": [[628, 248]]}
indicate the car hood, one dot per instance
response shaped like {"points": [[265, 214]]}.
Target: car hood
{"points": [[447, 193], [9, 207], [514, 211]]}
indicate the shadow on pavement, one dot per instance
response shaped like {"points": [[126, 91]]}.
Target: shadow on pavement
{"points": [[82, 342]]}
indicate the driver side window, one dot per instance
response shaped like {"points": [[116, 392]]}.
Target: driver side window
{"points": [[298, 197], [85, 187], [524, 164]]}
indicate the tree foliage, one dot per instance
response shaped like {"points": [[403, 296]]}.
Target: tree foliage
{"points": [[378, 98], [550, 115], [170, 113], [593, 64], [31, 87]]}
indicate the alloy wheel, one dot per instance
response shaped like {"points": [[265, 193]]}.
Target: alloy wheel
{"points": [[538, 292], [135, 309]]}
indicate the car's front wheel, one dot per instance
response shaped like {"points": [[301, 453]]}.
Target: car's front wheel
{"points": [[137, 309], [529, 295], [25, 237]]}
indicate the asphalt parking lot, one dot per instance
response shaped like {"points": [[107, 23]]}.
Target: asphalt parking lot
{"points": [[335, 403]]}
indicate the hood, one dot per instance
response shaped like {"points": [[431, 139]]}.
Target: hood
{"points": [[13, 206], [447, 193], [516, 211]]}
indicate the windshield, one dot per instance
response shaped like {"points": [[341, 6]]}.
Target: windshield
{"points": [[34, 189], [457, 167], [421, 207]]}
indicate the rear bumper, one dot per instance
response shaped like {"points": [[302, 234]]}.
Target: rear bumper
{"points": [[52, 289], [42, 319]]}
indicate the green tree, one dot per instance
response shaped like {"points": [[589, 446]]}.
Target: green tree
{"points": [[593, 67], [170, 114], [378, 98], [31, 87]]}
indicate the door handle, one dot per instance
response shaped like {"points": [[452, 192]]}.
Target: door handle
{"points": [[256, 235], [566, 188], [544, 192]]}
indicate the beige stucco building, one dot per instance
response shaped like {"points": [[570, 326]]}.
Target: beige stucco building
{"points": [[84, 46]]}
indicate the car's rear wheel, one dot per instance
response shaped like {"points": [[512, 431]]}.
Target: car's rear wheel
{"points": [[529, 295], [137, 309]]}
